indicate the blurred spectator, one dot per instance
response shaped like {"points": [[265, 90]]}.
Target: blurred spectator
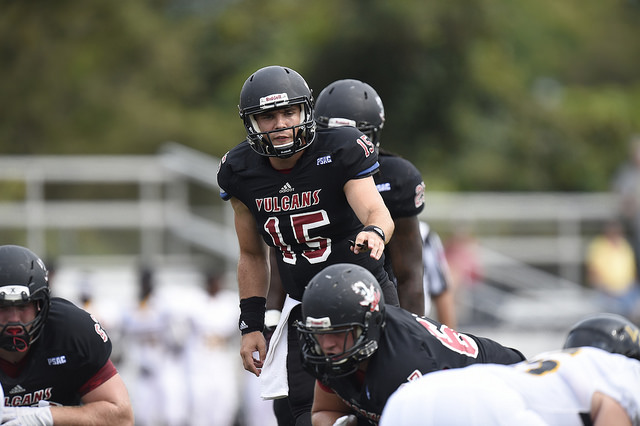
{"points": [[461, 252], [211, 355], [626, 184], [611, 269], [144, 333], [438, 290]]}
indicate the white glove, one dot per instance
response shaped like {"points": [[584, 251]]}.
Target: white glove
{"points": [[27, 416], [348, 420]]}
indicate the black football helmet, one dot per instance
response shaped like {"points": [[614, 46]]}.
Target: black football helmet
{"points": [[23, 278], [276, 87], [351, 103], [340, 298], [610, 332]]}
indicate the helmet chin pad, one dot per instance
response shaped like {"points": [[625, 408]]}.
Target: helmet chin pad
{"points": [[14, 336]]}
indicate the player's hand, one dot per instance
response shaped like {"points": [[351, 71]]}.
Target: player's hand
{"points": [[368, 241], [250, 344], [27, 416]]}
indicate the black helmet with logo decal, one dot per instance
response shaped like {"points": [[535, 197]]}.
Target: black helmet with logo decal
{"points": [[271, 88], [351, 102], [342, 298], [23, 279]]}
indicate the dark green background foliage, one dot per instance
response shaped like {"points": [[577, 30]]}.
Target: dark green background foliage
{"points": [[479, 94]]}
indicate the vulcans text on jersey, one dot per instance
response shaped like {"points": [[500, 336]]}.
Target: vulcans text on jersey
{"points": [[288, 202]]}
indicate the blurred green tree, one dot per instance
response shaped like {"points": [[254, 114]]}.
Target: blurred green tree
{"points": [[479, 94]]}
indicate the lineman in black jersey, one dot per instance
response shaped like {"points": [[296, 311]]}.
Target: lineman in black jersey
{"points": [[307, 194], [361, 350], [52, 353], [351, 102]]}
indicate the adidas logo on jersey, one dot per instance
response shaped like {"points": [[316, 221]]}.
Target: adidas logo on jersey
{"points": [[286, 188], [17, 389]]}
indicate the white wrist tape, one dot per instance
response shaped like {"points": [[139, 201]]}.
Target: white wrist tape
{"points": [[27, 416]]}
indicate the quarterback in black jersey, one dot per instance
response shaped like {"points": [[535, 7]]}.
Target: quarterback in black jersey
{"points": [[54, 356], [361, 350], [351, 102], [307, 193]]}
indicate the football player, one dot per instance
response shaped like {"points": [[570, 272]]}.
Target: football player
{"points": [[594, 380], [351, 102], [310, 194], [361, 350], [54, 356]]}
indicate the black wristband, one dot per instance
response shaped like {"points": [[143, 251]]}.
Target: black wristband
{"points": [[377, 230], [252, 311]]}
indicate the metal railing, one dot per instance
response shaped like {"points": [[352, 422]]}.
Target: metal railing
{"points": [[173, 208]]}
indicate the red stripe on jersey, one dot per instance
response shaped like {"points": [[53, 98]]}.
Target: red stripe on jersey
{"points": [[107, 371]]}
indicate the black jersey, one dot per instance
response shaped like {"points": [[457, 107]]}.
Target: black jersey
{"points": [[401, 186], [72, 348], [304, 213], [410, 347]]}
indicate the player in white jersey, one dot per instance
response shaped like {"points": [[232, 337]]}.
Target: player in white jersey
{"points": [[579, 385]]}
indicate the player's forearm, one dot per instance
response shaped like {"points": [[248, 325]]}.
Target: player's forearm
{"points": [[95, 413], [411, 294], [405, 250], [253, 276]]}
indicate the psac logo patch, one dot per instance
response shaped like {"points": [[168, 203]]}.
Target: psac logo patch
{"points": [[383, 187], [323, 160], [57, 360]]}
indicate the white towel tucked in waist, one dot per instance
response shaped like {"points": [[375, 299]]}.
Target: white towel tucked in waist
{"points": [[273, 378]]}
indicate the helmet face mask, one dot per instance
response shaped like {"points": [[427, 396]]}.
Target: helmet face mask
{"points": [[272, 88], [610, 332], [23, 279], [354, 103], [341, 299], [355, 349]]}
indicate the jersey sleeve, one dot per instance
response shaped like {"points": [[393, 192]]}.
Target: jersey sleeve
{"points": [[236, 160], [401, 186], [223, 177], [105, 373], [357, 155], [88, 345]]}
